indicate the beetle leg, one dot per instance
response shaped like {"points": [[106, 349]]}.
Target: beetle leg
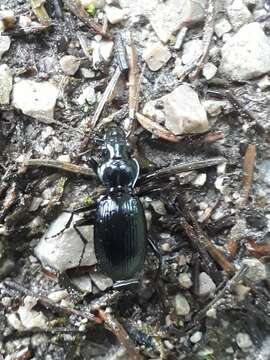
{"points": [[158, 255], [93, 164], [122, 284], [77, 224]]}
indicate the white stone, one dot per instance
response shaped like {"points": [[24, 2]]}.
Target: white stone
{"points": [[30, 302], [256, 269], [196, 337], [64, 250], [182, 307], [243, 341], [14, 321], [185, 281], [206, 285], [70, 64], [209, 71], [83, 283], [156, 55], [214, 107], [264, 83], [180, 38], [31, 319], [58, 295], [239, 14], [4, 44], [36, 99], [101, 281], [255, 50], [200, 180], [192, 51], [24, 21], [5, 84], [166, 17], [88, 95], [182, 112], [114, 14], [179, 68], [222, 26], [102, 51]]}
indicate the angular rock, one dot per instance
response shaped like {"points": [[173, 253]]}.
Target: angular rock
{"points": [[166, 17], [214, 107], [200, 180], [58, 295], [114, 14], [185, 280], [35, 99], [70, 64], [256, 270], [102, 51], [222, 26], [88, 95], [254, 49], [8, 18], [5, 84], [182, 307], [4, 44], [239, 14], [209, 71], [83, 282], [243, 341], [101, 281], [64, 251], [206, 285], [192, 51], [156, 56], [31, 319], [182, 111]]}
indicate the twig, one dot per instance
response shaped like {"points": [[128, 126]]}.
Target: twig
{"points": [[133, 81], [208, 32], [215, 253], [61, 165], [58, 9], [40, 11], [232, 282], [156, 129], [248, 169], [77, 9], [107, 93], [83, 44], [121, 53], [115, 327], [50, 304], [175, 169]]}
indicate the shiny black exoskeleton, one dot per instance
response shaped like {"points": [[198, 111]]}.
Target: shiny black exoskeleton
{"points": [[120, 229]]}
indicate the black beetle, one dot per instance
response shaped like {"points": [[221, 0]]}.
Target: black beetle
{"points": [[120, 234]]}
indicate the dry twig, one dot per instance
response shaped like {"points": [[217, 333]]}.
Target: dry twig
{"points": [[40, 11], [61, 165], [208, 32], [248, 169], [77, 9]]}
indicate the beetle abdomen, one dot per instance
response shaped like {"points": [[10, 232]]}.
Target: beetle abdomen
{"points": [[120, 235]]}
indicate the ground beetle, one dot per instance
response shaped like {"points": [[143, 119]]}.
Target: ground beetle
{"points": [[120, 234]]}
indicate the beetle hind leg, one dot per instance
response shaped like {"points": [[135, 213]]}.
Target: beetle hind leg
{"points": [[158, 255]]}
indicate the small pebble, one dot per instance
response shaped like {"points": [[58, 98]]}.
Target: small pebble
{"points": [[156, 56], [185, 280], [166, 247], [114, 14], [6, 301], [30, 302], [243, 341], [70, 64], [200, 180], [58, 295], [256, 269], [182, 306], [206, 285], [158, 207], [196, 337], [168, 345], [209, 71], [238, 14], [180, 38], [222, 26]]}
